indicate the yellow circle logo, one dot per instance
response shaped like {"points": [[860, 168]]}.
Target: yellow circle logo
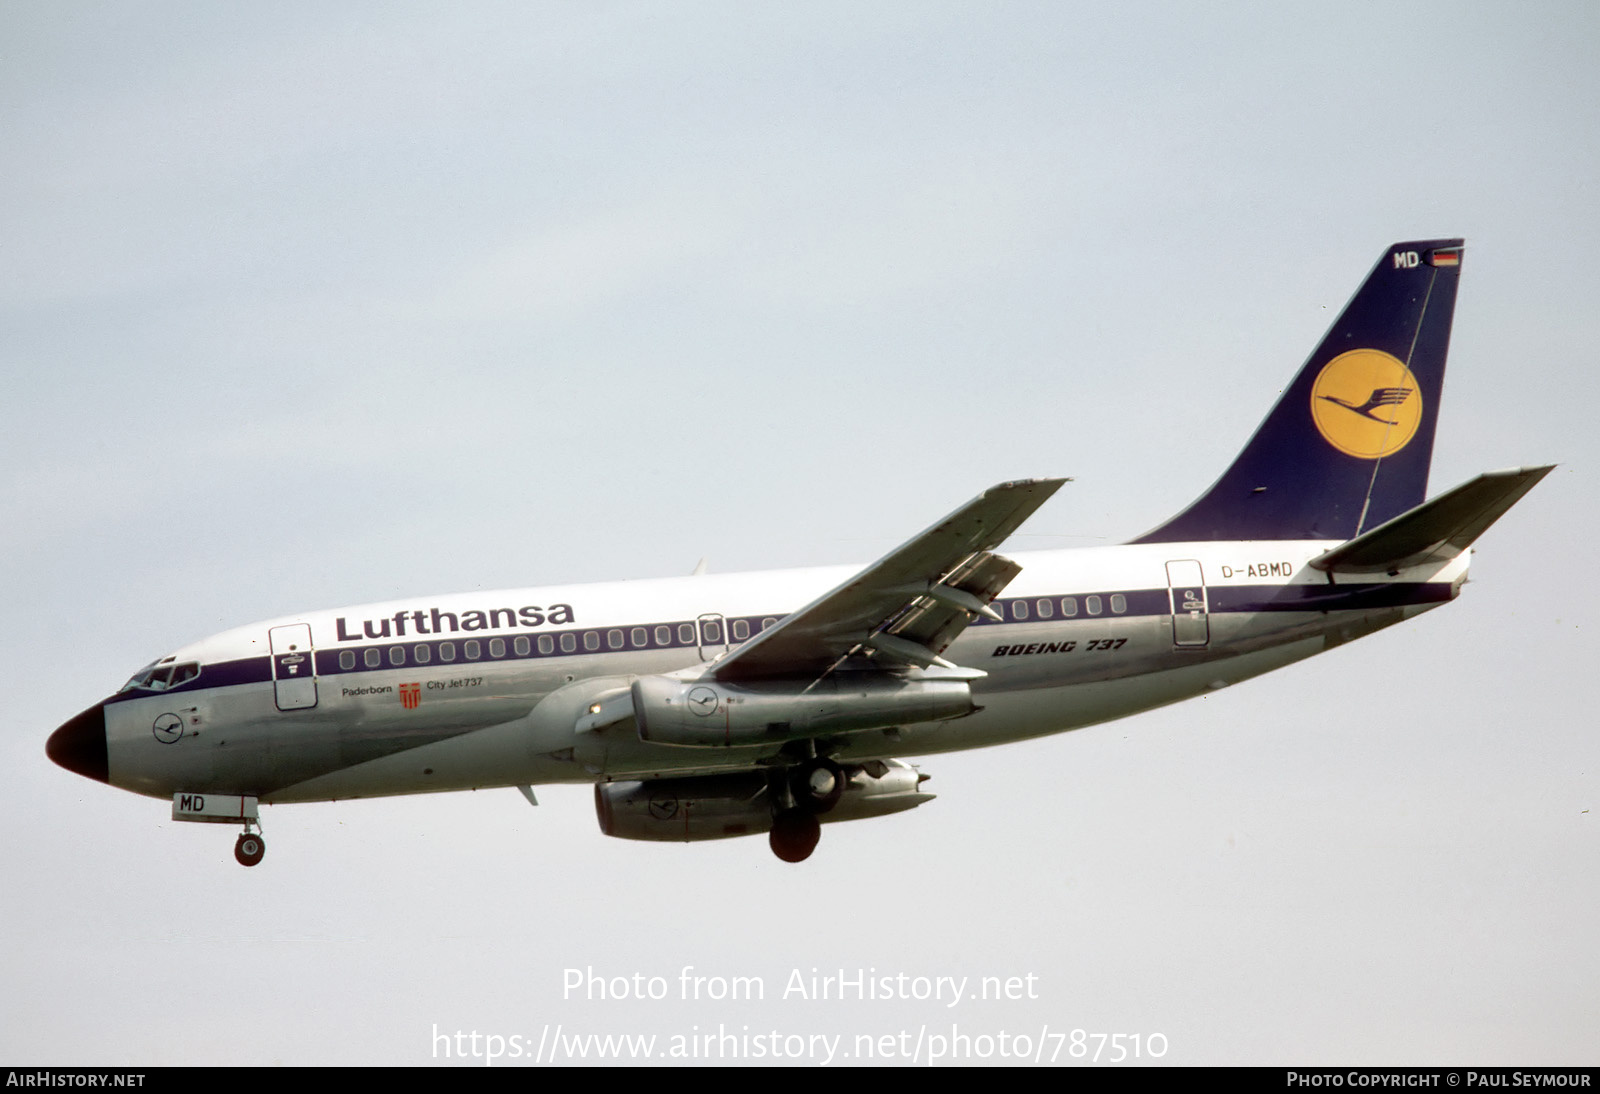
{"points": [[1366, 404]]}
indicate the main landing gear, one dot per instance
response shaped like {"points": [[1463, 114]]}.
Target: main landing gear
{"points": [[250, 848], [806, 791]]}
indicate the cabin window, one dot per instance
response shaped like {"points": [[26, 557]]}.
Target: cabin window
{"points": [[614, 640], [472, 649], [741, 629], [663, 635], [1119, 603], [686, 634], [522, 645], [569, 643], [1045, 608], [1019, 609], [347, 659], [373, 658], [591, 640], [639, 637], [447, 651], [397, 655], [497, 647], [546, 644], [1092, 603], [768, 622], [1069, 606], [422, 653]]}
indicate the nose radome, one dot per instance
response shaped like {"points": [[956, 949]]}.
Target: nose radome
{"points": [[80, 745]]}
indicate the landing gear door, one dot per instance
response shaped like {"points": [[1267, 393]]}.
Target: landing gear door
{"points": [[294, 674], [1186, 586]]}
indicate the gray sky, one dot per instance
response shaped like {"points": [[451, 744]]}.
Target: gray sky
{"points": [[305, 307]]}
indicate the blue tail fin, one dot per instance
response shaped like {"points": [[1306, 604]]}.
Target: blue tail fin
{"points": [[1348, 444]]}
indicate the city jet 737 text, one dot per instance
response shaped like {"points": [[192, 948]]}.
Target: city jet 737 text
{"points": [[712, 706]]}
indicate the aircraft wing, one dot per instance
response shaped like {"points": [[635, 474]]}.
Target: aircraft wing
{"points": [[909, 605]]}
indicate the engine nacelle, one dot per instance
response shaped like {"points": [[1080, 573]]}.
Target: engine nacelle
{"points": [[714, 714], [722, 806]]}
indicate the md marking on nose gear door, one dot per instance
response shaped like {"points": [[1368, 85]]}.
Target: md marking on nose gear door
{"points": [[294, 674]]}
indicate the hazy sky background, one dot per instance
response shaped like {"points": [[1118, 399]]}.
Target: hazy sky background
{"points": [[308, 305]]}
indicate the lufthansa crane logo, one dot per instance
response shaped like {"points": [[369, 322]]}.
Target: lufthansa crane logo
{"points": [[167, 728], [1366, 404]]}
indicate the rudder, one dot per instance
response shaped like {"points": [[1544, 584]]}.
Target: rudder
{"points": [[1348, 444]]}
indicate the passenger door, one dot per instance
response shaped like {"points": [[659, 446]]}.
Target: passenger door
{"points": [[1186, 590], [294, 667]]}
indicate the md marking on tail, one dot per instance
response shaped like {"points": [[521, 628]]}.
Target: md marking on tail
{"points": [[1323, 465], [716, 706]]}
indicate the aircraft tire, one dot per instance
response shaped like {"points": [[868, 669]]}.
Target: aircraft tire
{"points": [[808, 778], [794, 835], [249, 849]]}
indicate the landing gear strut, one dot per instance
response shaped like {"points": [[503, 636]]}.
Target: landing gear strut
{"points": [[818, 784], [249, 848]]}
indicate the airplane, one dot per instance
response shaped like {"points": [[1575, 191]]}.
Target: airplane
{"points": [[713, 706]]}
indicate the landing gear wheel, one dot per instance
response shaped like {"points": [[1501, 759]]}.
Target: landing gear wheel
{"points": [[818, 784], [249, 849], [794, 835]]}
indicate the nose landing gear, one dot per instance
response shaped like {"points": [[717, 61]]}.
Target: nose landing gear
{"points": [[207, 808], [250, 848]]}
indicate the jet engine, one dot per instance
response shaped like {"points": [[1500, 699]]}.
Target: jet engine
{"points": [[716, 714], [746, 803]]}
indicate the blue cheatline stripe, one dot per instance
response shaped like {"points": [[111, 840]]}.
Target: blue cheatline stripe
{"points": [[1018, 611], [1325, 598]]}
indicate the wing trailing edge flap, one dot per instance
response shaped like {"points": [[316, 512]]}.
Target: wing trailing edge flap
{"points": [[910, 604], [1435, 531], [939, 611]]}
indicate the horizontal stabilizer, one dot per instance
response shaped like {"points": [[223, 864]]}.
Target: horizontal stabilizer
{"points": [[1435, 531]]}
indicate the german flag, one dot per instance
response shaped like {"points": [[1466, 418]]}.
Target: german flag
{"points": [[1448, 257]]}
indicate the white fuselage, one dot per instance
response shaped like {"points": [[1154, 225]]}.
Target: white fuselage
{"points": [[487, 689]]}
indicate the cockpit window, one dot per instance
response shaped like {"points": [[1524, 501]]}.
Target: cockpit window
{"points": [[161, 675], [137, 679]]}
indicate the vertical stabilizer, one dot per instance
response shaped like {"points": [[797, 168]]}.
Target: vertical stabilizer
{"points": [[1348, 444]]}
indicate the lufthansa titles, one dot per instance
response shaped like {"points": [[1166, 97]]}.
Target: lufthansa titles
{"points": [[434, 621]]}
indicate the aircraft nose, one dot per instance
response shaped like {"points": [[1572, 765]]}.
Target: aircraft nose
{"points": [[80, 745]]}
